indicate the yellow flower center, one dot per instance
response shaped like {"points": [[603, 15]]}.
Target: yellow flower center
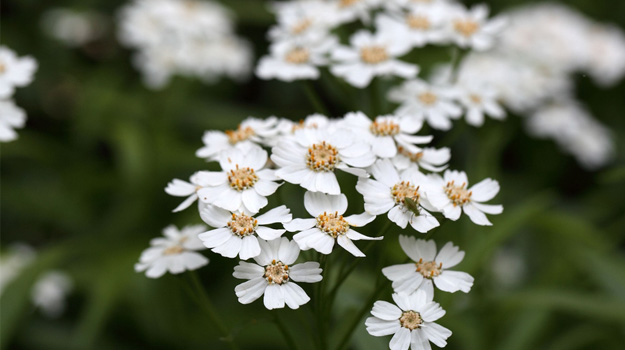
{"points": [[414, 157], [418, 22], [466, 27], [173, 250], [411, 320], [332, 224], [3, 68], [242, 178], [459, 195], [347, 3], [301, 26], [240, 134], [373, 54], [429, 269], [322, 157], [302, 125], [297, 56], [277, 272], [384, 128], [404, 190], [475, 99], [427, 98], [242, 225]]}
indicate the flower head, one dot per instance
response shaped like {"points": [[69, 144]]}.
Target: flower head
{"points": [[250, 131], [411, 321], [14, 71], [274, 275], [428, 268], [329, 225], [175, 253]]}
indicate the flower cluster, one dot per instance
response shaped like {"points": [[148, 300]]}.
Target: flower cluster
{"points": [[306, 39], [73, 28], [14, 72], [183, 37], [396, 174], [532, 70]]}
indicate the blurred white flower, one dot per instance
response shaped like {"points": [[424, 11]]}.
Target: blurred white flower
{"points": [[428, 158], [50, 291], [422, 24], [11, 117], [14, 71], [411, 322], [428, 268], [301, 20], [274, 276], [234, 231], [310, 156], [372, 55], [389, 191], [386, 133], [73, 28], [472, 28], [479, 100], [243, 184], [174, 253], [329, 225], [12, 261], [452, 195], [420, 100]]}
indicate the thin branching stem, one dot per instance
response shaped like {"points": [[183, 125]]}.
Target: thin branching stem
{"points": [[288, 338]]}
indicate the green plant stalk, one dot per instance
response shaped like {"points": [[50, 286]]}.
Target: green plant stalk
{"points": [[288, 338], [204, 301], [319, 305], [313, 97]]}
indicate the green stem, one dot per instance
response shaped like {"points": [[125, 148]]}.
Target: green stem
{"points": [[319, 305], [290, 341], [314, 99], [374, 99], [204, 301]]}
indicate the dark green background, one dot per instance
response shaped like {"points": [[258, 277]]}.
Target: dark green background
{"points": [[84, 183]]}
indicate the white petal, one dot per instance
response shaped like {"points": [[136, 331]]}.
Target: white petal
{"points": [[346, 243], [266, 188], [453, 281], [360, 219], [288, 251], [308, 272], [230, 248], [378, 327], [327, 183], [484, 190], [294, 295], [277, 214], [321, 243], [317, 203], [386, 311], [299, 224], [399, 272], [248, 271], [449, 255], [476, 215], [419, 341], [186, 203], [267, 233], [489, 209], [274, 297], [401, 340], [399, 216], [418, 248], [353, 235], [249, 248], [215, 217], [252, 200], [216, 237], [437, 334], [251, 290]]}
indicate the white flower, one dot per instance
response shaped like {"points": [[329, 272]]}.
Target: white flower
{"points": [[243, 184], [301, 20], [411, 322], [293, 60], [427, 268], [234, 232], [181, 188], [452, 196], [251, 130], [329, 225], [371, 55], [472, 29], [345, 11], [274, 276], [426, 102], [174, 254], [310, 156], [478, 100], [11, 117], [420, 25], [429, 158], [14, 71], [73, 28], [49, 292], [388, 192], [386, 133]]}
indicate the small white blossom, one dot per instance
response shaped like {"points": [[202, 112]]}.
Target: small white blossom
{"points": [[387, 133], [175, 253], [243, 184], [329, 225], [429, 158], [274, 276], [301, 20], [310, 156], [428, 268], [235, 232], [11, 117], [480, 100], [420, 25], [250, 131], [389, 191], [452, 195], [14, 71], [371, 55], [420, 100], [411, 322], [472, 29], [50, 291]]}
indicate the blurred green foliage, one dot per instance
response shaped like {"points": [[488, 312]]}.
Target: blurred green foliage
{"points": [[84, 185]]}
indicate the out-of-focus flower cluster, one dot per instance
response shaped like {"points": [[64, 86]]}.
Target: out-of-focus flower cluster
{"points": [[399, 176], [183, 37], [532, 70], [73, 28], [14, 72]]}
